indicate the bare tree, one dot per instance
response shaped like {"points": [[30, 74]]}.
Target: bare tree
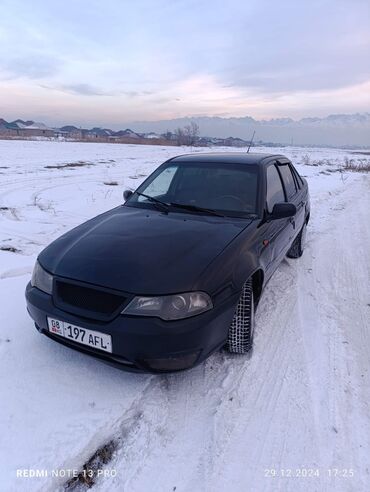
{"points": [[180, 136], [191, 133], [187, 135]]}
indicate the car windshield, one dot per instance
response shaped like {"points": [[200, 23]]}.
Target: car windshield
{"points": [[228, 189]]}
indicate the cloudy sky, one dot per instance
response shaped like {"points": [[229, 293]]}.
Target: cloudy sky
{"points": [[112, 61]]}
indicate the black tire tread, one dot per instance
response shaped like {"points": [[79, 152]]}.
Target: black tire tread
{"points": [[240, 338]]}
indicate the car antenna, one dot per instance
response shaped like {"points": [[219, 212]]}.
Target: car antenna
{"points": [[251, 140]]}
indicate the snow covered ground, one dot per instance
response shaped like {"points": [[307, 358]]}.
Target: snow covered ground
{"points": [[293, 417]]}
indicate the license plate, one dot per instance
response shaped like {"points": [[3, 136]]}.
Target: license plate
{"points": [[95, 339]]}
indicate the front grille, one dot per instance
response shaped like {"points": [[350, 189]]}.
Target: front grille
{"points": [[77, 298]]}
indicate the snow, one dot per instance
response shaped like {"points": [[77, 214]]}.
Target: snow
{"points": [[238, 423]]}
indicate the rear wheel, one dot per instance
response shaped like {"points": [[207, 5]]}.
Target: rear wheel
{"points": [[240, 338], [296, 249]]}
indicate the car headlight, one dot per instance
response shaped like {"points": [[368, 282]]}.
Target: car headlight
{"points": [[177, 306], [41, 279]]}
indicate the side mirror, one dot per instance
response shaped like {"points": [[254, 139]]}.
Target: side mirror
{"points": [[127, 194], [282, 210]]}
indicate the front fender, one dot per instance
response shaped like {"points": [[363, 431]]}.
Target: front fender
{"points": [[226, 274]]}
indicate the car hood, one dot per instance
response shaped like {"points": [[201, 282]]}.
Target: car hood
{"points": [[141, 251]]}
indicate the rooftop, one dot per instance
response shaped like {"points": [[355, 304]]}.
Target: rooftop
{"points": [[226, 157]]}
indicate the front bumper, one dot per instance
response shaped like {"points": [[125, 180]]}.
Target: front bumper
{"points": [[143, 344]]}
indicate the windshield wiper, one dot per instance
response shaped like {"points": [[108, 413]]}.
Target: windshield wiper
{"points": [[210, 211], [164, 205], [194, 208]]}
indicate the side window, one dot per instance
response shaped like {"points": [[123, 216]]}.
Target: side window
{"points": [[297, 176], [288, 180], [274, 192]]}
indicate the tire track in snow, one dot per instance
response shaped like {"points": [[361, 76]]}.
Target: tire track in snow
{"points": [[263, 390]]}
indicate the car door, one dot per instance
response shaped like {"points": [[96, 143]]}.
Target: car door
{"points": [[276, 233], [294, 194]]}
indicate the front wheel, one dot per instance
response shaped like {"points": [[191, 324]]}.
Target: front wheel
{"points": [[240, 338], [296, 249]]}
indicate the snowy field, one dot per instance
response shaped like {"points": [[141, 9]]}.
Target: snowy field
{"points": [[293, 417]]}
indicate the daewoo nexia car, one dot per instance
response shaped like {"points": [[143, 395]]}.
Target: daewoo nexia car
{"points": [[176, 272]]}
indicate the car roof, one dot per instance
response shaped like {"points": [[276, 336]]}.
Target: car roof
{"points": [[228, 157]]}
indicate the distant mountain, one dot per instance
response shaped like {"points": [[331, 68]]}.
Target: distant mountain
{"points": [[334, 120], [335, 129]]}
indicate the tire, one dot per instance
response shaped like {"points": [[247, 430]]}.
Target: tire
{"points": [[296, 249], [240, 337]]}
